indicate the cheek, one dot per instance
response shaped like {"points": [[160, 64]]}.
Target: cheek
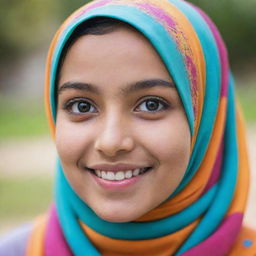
{"points": [[169, 140], [71, 140], [170, 144]]}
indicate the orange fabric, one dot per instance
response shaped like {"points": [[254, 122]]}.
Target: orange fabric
{"points": [[242, 186], [162, 246], [193, 41], [47, 72], [194, 189], [191, 45], [47, 85], [198, 56], [240, 248], [245, 244], [166, 245], [35, 243]]}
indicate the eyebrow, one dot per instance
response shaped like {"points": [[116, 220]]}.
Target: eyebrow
{"points": [[140, 85], [78, 86], [146, 84]]}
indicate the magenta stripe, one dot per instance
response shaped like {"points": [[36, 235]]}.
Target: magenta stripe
{"points": [[158, 13], [172, 26], [55, 243], [216, 171], [222, 240], [222, 52]]}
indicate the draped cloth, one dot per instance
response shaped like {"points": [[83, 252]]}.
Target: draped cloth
{"points": [[204, 215]]}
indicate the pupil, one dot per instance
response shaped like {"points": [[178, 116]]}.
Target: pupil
{"points": [[152, 105], [83, 106]]}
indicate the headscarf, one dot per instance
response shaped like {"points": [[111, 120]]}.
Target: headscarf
{"points": [[204, 215]]}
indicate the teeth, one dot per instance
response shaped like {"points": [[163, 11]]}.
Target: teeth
{"points": [[136, 172], [119, 175], [98, 172], [110, 176], [104, 175], [128, 174]]}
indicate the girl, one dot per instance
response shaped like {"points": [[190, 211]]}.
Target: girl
{"points": [[151, 145]]}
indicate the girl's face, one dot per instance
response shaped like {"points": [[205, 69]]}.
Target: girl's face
{"points": [[121, 133]]}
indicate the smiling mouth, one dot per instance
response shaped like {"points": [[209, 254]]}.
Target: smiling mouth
{"points": [[120, 175]]}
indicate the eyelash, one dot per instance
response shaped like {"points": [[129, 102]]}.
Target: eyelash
{"points": [[74, 102]]}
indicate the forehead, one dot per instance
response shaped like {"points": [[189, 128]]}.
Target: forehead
{"points": [[123, 53]]}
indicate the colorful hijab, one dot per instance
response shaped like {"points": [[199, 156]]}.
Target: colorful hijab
{"points": [[204, 215]]}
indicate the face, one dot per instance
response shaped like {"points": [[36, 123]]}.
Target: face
{"points": [[121, 132]]}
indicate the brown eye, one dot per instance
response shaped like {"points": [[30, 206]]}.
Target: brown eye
{"points": [[80, 106], [83, 107], [152, 105]]}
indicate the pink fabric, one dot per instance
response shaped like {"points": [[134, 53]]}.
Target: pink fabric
{"points": [[159, 14], [222, 53], [164, 18], [221, 241], [216, 170], [55, 243]]}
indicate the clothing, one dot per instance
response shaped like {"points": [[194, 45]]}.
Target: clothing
{"points": [[15, 243], [204, 215]]}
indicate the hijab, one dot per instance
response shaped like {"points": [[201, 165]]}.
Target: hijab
{"points": [[204, 214]]}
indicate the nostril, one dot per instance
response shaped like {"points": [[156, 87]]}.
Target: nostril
{"points": [[115, 145]]}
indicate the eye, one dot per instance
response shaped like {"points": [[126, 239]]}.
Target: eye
{"points": [[79, 106], [152, 105]]}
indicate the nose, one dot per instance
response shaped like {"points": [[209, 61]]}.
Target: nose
{"points": [[114, 137]]}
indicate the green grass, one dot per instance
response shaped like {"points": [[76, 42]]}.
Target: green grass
{"points": [[22, 119], [247, 98], [24, 198]]}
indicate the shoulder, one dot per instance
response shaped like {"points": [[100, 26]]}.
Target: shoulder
{"points": [[245, 244], [15, 242]]}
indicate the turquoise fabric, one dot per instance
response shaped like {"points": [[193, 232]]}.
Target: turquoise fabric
{"points": [[212, 93], [219, 206], [166, 48], [212, 205]]}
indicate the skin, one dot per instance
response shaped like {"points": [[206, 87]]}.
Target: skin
{"points": [[119, 128]]}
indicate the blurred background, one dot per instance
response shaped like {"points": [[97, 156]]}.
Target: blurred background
{"points": [[27, 154]]}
